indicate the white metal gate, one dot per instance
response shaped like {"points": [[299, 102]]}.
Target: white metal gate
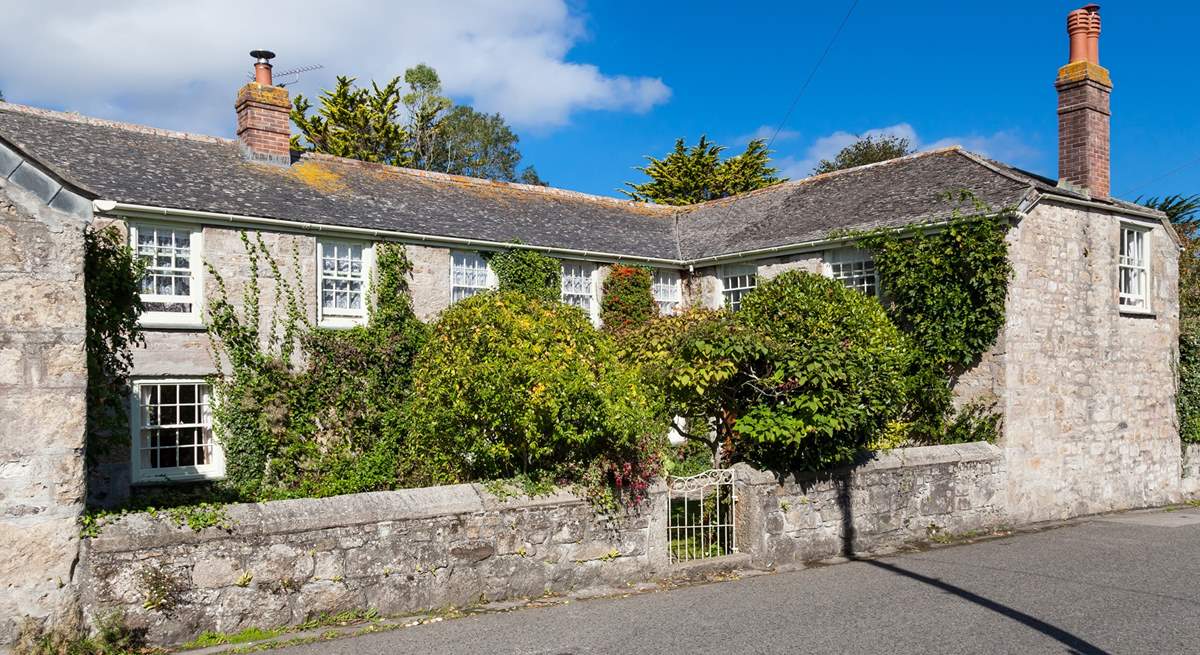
{"points": [[700, 515]]}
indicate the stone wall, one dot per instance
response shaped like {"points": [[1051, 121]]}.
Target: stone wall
{"points": [[1089, 393], [43, 381], [285, 562], [900, 496]]}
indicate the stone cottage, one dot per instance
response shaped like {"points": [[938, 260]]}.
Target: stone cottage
{"points": [[1083, 370]]}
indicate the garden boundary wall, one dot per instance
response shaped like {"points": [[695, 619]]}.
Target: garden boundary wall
{"points": [[286, 562]]}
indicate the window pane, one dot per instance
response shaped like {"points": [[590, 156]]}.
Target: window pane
{"points": [[166, 253], [175, 429]]}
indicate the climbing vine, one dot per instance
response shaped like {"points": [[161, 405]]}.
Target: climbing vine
{"points": [[307, 411], [528, 272], [112, 277]]}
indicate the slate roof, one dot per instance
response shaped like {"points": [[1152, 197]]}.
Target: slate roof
{"points": [[895, 193], [159, 168], [139, 165]]}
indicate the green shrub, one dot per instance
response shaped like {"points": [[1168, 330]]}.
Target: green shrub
{"points": [[701, 363], [528, 272], [627, 300], [511, 385], [1189, 380], [833, 377]]}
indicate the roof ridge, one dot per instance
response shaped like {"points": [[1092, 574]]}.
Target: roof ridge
{"points": [[75, 117], [823, 176], [483, 182]]}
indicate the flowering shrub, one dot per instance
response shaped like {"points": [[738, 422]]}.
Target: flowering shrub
{"points": [[627, 300], [511, 385]]}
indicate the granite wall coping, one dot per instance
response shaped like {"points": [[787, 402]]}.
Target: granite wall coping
{"points": [[140, 531], [897, 458]]}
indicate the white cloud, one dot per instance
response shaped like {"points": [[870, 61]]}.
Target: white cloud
{"points": [[1004, 145], [178, 65], [765, 132]]}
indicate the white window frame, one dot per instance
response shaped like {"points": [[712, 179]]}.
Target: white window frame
{"points": [[193, 318], [344, 318], [473, 258], [589, 271], [731, 295], [214, 470], [854, 268], [1134, 302], [666, 285]]}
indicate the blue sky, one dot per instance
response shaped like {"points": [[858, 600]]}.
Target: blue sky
{"points": [[593, 87]]}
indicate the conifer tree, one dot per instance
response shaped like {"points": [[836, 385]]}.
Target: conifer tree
{"points": [[696, 174]]}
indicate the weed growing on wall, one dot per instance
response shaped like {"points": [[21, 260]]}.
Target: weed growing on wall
{"points": [[528, 272], [112, 277], [627, 300]]}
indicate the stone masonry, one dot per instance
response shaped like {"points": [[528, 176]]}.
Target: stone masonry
{"points": [[1089, 397], [285, 562], [900, 496], [43, 380]]}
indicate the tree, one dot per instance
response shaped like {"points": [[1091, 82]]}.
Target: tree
{"points": [[867, 150], [697, 174], [700, 363], [426, 108], [475, 144], [1183, 211], [357, 123], [366, 124]]}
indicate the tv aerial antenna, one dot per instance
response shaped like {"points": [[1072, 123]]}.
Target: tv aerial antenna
{"points": [[279, 78]]}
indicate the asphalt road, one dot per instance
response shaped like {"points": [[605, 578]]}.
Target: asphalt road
{"points": [[1127, 583]]}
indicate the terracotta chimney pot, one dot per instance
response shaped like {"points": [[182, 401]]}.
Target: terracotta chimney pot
{"points": [[1084, 88]]}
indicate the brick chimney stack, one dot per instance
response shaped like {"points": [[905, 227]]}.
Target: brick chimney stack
{"points": [[1083, 111], [263, 127]]}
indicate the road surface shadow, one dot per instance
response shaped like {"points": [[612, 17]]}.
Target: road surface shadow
{"points": [[1075, 644]]}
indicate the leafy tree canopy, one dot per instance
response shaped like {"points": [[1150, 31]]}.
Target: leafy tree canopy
{"points": [[694, 174], [420, 128], [1182, 210], [867, 150]]}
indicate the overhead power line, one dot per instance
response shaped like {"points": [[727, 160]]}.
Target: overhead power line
{"points": [[813, 72], [1143, 185]]}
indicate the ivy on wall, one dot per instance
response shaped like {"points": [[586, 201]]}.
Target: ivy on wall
{"points": [[112, 277], [627, 300], [528, 272], [945, 288], [307, 411]]}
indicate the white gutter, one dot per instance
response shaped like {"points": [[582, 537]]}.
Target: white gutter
{"points": [[115, 208], [131, 210]]}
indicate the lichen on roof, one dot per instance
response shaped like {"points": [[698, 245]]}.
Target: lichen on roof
{"points": [[318, 175]]}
